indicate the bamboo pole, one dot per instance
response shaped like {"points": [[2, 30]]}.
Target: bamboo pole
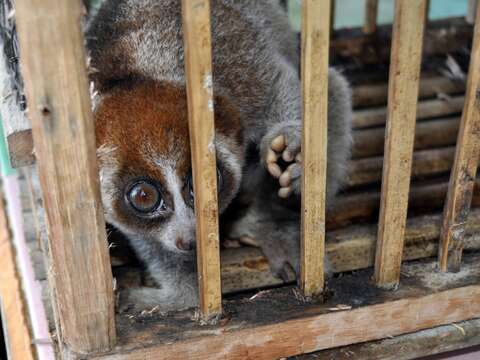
{"points": [[315, 49], [462, 178], [198, 69], [53, 63], [402, 102]]}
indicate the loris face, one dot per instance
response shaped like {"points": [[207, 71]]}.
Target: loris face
{"points": [[145, 167]]}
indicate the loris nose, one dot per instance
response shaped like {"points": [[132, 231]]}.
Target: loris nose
{"points": [[184, 245]]}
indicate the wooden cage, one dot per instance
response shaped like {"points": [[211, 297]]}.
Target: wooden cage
{"points": [[357, 316]]}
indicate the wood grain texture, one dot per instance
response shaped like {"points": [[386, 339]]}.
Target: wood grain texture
{"points": [[432, 86], [315, 48], [12, 304], [198, 69], [464, 170], [423, 343], [402, 103], [428, 134], [425, 109], [426, 163], [276, 324], [54, 70], [371, 12]]}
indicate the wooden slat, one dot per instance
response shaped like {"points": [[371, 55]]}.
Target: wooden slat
{"points": [[198, 68], [377, 94], [371, 12], [426, 109], [53, 63], [471, 11], [402, 102], [465, 165], [315, 48], [15, 320]]}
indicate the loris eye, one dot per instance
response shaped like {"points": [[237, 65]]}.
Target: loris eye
{"points": [[144, 197], [189, 184]]}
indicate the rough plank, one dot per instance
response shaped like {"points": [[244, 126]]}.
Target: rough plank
{"points": [[315, 47], [430, 86], [371, 12], [60, 112], [12, 305], [402, 102], [198, 69], [348, 249], [426, 163], [442, 339], [428, 134], [464, 168], [425, 109], [275, 323]]}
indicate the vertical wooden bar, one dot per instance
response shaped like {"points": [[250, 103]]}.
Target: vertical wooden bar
{"points": [[198, 69], [471, 11], [371, 12], [403, 87], [315, 49], [464, 169], [54, 70]]}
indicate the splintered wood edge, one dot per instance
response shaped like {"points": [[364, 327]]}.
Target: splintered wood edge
{"points": [[421, 304], [17, 338], [464, 169]]}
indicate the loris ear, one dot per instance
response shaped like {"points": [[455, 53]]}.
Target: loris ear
{"points": [[227, 119]]}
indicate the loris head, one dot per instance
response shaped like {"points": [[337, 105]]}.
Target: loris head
{"points": [[145, 166]]}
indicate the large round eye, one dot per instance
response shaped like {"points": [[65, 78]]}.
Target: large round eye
{"points": [[145, 197]]}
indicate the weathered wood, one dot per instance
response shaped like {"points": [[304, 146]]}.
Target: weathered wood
{"points": [[275, 324], [423, 197], [371, 12], [423, 343], [428, 134], [426, 163], [315, 44], [442, 37], [426, 109], [464, 168], [12, 305], [198, 69], [348, 249], [60, 112], [402, 102], [471, 11], [377, 94]]}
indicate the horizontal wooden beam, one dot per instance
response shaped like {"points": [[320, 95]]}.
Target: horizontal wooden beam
{"points": [[425, 109], [428, 134], [276, 323], [441, 37], [426, 163], [419, 344], [430, 86]]}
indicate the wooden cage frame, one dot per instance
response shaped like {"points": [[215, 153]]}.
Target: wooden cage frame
{"points": [[63, 136]]}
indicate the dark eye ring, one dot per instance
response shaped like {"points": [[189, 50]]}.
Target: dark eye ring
{"points": [[145, 197]]}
